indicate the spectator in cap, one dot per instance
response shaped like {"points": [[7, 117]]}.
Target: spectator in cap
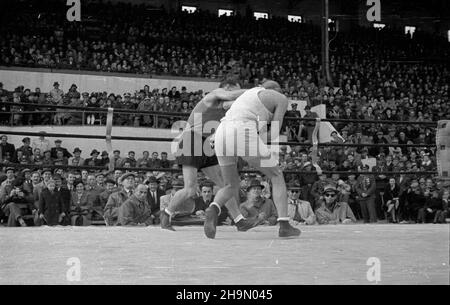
{"points": [[135, 211], [80, 207], [292, 126], [76, 160], [116, 199], [93, 160], [257, 207], [154, 196], [51, 205], [331, 210], [299, 211], [317, 189], [66, 153], [309, 125], [17, 204], [7, 150], [42, 143]]}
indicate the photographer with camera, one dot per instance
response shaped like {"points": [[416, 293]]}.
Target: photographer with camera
{"points": [[17, 204]]}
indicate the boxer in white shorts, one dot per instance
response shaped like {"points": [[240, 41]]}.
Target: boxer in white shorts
{"points": [[239, 135]]}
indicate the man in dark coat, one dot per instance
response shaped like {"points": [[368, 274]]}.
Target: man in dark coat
{"points": [[7, 150], [154, 196], [51, 205], [57, 147], [65, 196], [116, 199], [135, 211], [93, 160]]}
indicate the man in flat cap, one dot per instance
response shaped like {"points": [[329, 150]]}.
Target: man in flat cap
{"points": [[116, 199], [54, 150], [331, 211]]}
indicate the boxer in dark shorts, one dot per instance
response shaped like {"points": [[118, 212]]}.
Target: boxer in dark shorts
{"points": [[194, 152]]}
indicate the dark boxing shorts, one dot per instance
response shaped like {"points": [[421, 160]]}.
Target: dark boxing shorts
{"points": [[195, 154]]}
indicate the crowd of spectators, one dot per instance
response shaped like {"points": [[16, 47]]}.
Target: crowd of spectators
{"points": [[376, 75], [349, 194]]}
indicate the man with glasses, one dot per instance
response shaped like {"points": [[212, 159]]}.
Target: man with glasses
{"points": [[299, 211], [331, 211]]}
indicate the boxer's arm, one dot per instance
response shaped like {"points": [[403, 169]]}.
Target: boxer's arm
{"points": [[216, 96], [280, 102]]}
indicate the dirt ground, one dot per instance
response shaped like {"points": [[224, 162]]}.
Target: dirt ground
{"points": [[408, 254]]}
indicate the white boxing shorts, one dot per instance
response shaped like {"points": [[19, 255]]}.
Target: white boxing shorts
{"points": [[235, 139]]}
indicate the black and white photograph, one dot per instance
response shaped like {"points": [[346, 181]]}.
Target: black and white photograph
{"points": [[223, 149]]}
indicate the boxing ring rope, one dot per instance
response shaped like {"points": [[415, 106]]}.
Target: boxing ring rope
{"points": [[155, 139], [185, 114], [179, 170], [108, 137]]}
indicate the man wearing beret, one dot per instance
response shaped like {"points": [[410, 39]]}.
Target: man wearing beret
{"points": [[257, 206], [116, 199]]}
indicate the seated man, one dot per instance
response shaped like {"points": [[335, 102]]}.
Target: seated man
{"points": [[17, 204], [116, 199], [432, 205], [258, 207], [203, 201], [444, 210], [330, 211], [135, 211], [299, 211]]}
